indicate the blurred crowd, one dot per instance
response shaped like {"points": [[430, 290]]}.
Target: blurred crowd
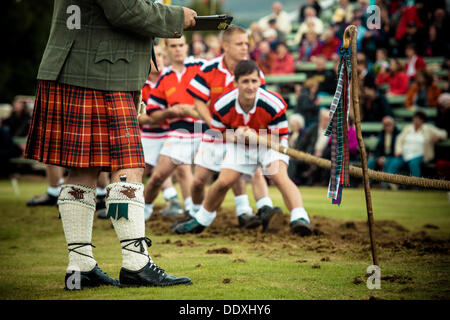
{"points": [[392, 67]]}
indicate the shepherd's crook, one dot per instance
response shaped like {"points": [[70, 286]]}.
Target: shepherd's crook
{"points": [[350, 36]]}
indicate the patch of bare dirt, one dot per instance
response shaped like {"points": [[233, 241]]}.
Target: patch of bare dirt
{"points": [[329, 235], [220, 251]]}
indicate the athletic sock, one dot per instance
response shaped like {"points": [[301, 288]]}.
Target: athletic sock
{"points": [[204, 217], [125, 206], [169, 193], [298, 213], [76, 205], [148, 210], [101, 192], [265, 201], [54, 191], [242, 205], [188, 204], [194, 210]]}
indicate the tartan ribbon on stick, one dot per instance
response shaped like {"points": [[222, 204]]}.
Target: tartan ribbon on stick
{"points": [[338, 130]]}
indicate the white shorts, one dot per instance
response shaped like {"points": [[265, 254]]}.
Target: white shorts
{"points": [[247, 159], [152, 148], [210, 155], [181, 150]]}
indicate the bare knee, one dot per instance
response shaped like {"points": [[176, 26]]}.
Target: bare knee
{"points": [[157, 179]]}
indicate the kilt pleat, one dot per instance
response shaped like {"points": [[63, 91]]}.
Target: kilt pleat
{"points": [[84, 128]]}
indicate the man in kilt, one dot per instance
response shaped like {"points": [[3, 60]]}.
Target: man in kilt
{"points": [[85, 119]]}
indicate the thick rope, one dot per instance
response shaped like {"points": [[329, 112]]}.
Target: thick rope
{"points": [[357, 172]]}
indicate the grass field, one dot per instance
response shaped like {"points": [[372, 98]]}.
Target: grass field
{"points": [[413, 230]]}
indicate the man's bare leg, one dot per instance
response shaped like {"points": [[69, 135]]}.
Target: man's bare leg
{"points": [[185, 178], [54, 175], [201, 177], [300, 222], [161, 173], [100, 205], [260, 190]]}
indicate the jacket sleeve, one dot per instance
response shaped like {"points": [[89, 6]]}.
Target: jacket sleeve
{"points": [[144, 17], [400, 140]]}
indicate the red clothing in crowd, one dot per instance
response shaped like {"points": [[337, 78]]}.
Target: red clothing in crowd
{"points": [[285, 65], [419, 64], [409, 15], [398, 82], [327, 49]]}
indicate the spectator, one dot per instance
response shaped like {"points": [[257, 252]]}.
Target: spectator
{"points": [[310, 47], [413, 35], [309, 4], [374, 106], [435, 46], [443, 116], [364, 72], [313, 141], [18, 122], [414, 62], [308, 103], [415, 145], [385, 149], [394, 76], [311, 23], [255, 38], [381, 61], [8, 150], [362, 30], [198, 50], [297, 128], [281, 37], [265, 57], [330, 44], [442, 23], [283, 62], [424, 92], [343, 12], [409, 15], [282, 18], [214, 49], [325, 77], [270, 35]]}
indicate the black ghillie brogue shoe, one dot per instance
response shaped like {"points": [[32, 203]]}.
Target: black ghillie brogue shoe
{"points": [[78, 280], [150, 275]]}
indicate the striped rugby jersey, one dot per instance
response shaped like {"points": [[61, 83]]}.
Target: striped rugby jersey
{"points": [[154, 131], [268, 112], [213, 81], [171, 90]]}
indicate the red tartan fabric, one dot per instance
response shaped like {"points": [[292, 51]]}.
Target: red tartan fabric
{"points": [[82, 128]]}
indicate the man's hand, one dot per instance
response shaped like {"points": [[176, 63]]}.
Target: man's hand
{"points": [[189, 20]]}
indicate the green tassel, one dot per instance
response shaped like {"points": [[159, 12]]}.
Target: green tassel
{"points": [[117, 211]]}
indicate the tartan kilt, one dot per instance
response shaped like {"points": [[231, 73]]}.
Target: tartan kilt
{"points": [[76, 127]]}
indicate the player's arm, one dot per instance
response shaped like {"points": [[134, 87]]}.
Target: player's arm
{"points": [[203, 111]]}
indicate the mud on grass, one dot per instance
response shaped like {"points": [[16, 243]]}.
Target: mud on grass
{"points": [[329, 235]]}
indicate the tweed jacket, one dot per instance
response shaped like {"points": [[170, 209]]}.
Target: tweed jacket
{"points": [[111, 48]]}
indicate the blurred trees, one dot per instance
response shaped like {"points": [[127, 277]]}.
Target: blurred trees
{"points": [[25, 26]]}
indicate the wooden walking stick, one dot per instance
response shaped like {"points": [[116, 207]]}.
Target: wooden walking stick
{"points": [[350, 39]]}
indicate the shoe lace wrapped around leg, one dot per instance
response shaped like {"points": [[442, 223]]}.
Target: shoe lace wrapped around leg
{"points": [[138, 242], [78, 246]]}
